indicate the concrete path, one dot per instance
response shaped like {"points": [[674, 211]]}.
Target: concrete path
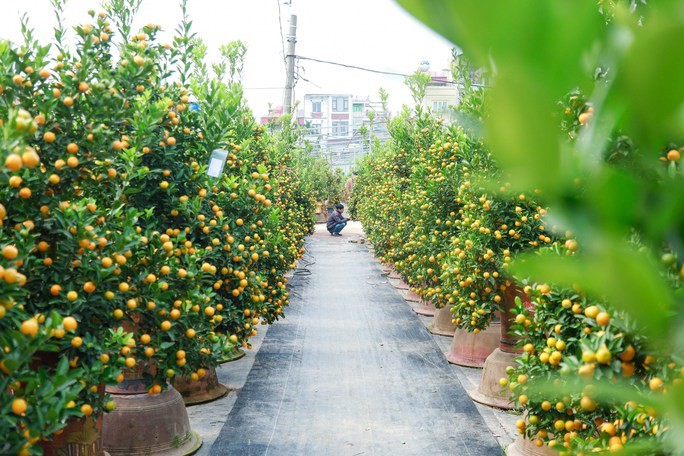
{"points": [[351, 370]]}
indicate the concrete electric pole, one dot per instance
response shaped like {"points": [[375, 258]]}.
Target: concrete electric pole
{"points": [[290, 59]]}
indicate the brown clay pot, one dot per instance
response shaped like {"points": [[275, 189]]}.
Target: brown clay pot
{"points": [[471, 350], [147, 424], [411, 296], [442, 322], [508, 341], [424, 307], [206, 389], [321, 217], [489, 392], [525, 447], [399, 284], [80, 437]]}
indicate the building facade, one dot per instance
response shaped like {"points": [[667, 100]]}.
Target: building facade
{"points": [[338, 126], [441, 94]]}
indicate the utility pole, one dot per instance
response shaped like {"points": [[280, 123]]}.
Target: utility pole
{"points": [[290, 60]]}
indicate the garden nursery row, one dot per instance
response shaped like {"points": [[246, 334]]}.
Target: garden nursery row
{"points": [[147, 222], [129, 264], [550, 205]]}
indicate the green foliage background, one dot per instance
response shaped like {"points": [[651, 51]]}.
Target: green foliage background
{"points": [[626, 59]]}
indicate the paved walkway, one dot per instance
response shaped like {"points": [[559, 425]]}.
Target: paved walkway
{"points": [[351, 370]]}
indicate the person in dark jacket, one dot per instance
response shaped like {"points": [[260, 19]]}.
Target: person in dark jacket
{"points": [[336, 222]]}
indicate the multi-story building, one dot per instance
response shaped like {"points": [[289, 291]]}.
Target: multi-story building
{"points": [[441, 94], [328, 115], [338, 126]]}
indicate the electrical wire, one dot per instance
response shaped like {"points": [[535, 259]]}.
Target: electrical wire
{"points": [[300, 57], [306, 80], [305, 262], [371, 70], [282, 37]]}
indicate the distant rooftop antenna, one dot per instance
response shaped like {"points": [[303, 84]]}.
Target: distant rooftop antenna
{"points": [[424, 66]]}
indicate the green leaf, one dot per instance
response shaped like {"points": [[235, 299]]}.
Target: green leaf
{"points": [[539, 51], [614, 196], [649, 84], [628, 279], [676, 413], [531, 155], [665, 211]]}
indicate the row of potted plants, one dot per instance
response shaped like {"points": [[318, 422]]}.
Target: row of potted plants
{"points": [[122, 257], [437, 206]]}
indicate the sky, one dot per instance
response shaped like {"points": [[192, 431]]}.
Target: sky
{"points": [[372, 34]]}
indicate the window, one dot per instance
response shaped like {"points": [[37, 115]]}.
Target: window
{"points": [[316, 106], [357, 107], [340, 104], [439, 106], [314, 129], [340, 128]]}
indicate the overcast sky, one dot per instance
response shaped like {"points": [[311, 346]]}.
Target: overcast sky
{"points": [[373, 34]]}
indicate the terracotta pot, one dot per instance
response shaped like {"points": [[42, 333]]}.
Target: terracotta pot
{"points": [[394, 274], [80, 437], [508, 341], [321, 217], [399, 284], [489, 392], [424, 307], [525, 447], [146, 424], [411, 296], [442, 322], [470, 349], [206, 389]]}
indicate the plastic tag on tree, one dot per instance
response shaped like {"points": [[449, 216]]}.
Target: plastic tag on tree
{"points": [[217, 162]]}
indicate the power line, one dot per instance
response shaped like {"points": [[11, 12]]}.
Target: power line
{"points": [[391, 73], [299, 76], [349, 66], [282, 38]]}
